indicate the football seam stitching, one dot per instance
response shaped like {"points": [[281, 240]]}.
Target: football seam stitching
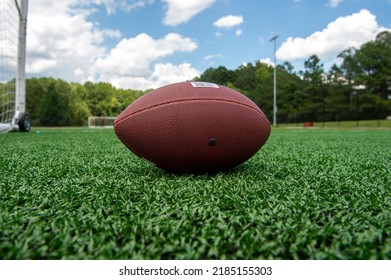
{"points": [[189, 100]]}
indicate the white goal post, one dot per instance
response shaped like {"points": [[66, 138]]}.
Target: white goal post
{"points": [[13, 23], [101, 122]]}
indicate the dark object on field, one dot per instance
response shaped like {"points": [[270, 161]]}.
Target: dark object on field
{"points": [[308, 124]]}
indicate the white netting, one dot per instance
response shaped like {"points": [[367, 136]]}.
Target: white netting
{"points": [[9, 27]]}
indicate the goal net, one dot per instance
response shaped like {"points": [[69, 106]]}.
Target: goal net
{"points": [[101, 122], [13, 20]]}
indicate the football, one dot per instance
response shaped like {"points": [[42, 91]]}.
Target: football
{"points": [[193, 127]]}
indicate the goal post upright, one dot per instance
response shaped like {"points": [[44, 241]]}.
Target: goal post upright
{"points": [[20, 96]]}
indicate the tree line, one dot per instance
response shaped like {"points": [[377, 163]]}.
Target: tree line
{"points": [[358, 88], [54, 102]]}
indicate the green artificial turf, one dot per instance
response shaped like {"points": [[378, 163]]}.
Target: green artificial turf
{"points": [[308, 194]]}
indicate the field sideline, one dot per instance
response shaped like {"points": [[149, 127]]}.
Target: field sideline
{"points": [[361, 124], [308, 194]]}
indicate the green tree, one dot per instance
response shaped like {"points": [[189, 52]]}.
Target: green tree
{"points": [[54, 109], [314, 92], [35, 91], [289, 94], [368, 72], [79, 105], [99, 98], [262, 89], [220, 75], [374, 60], [245, 77], [338, 100]]}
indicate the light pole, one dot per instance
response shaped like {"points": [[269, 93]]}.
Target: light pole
{"points": [[275, 83]]}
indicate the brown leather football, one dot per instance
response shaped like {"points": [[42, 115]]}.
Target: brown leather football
{"points": [[193, 127]]}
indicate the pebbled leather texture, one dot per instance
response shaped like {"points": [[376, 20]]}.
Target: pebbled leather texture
{"points": [[193, 129]]}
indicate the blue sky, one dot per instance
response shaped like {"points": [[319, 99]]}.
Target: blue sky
{"points": [[148, 43]]}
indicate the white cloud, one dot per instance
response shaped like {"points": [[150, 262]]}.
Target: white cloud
{"points": [[41, 65], [238, 32], [64, 43], [128, 6], [162, 74], [48, 7], [125, 5], [112, 33], [228, 21], [213, 56], [130, 61], [334, 3], [180, 11], [344, 32], [133, 56], [59, 42], [267, 61]]}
